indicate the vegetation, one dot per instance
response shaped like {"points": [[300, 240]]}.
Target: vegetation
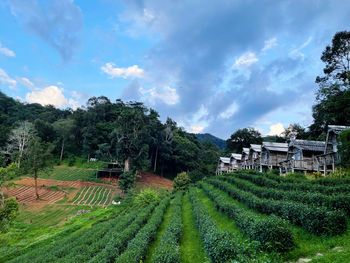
{"points": [[181, 181]]}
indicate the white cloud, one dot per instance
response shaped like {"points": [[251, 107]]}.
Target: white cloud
{"points": [[7, 52], [270, 43], [196, 129], [166, 94], [297, 51], [276, 129], [51, 95], [246, 60], [26, 82], [133, 71], [5, 79], [229, 111]]}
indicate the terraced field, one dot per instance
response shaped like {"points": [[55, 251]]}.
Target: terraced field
{"points": [[93, 195], [26, 194], [241, 217]]}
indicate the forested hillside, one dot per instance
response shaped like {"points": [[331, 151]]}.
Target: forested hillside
{"points": [[217, 141]]}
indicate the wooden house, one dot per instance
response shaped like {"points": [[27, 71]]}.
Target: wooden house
{"points": [[330, 157], [244, 158], [272, 153], [235, 161], [223, 165], [301, 156], [111, 170], [254, 156]]}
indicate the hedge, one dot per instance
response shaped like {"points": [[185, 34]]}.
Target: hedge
{"points": [[316, 220], [333, 202], [168, 249], [138, 246], [273, 233]]}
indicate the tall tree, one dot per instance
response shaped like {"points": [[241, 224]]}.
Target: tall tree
{"points": [[243, 138], [64, 128], [295, 130], [20, 138], [37, 158]]}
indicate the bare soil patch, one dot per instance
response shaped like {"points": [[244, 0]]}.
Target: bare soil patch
{"points": [[150, 179]]}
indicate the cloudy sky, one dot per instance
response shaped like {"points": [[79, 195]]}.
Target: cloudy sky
{"points": [[212, 66]]}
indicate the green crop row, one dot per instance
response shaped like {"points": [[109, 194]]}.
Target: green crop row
{"points": [[168, 249], [333, 202], [273, 233], [138, 246], [116, 241], [316, 220]]}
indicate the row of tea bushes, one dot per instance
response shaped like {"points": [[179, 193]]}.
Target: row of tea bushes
{"points": [[316, 220], [273, 233]]}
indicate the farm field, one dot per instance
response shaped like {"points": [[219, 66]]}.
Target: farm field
{"points": [[240, 217]]}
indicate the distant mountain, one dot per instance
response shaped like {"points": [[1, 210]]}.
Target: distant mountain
{"points": [[217, 141]]}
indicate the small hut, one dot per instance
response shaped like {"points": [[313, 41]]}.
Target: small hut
{"points": [[235, 161], [254, 156], [272, 153], [301, 156], [330, 157], [244, 158], [223, 165], [112, 170]]}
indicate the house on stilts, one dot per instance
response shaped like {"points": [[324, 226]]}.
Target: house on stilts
{"points": [[272, 153]]}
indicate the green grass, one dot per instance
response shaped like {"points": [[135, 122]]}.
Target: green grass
{"points": [[160, 233], [191, 247]]}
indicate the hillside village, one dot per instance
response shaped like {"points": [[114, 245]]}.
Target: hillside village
{"points": [[296, 156]]}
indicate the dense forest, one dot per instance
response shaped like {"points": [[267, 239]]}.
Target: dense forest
{"points": [[127, 132]]}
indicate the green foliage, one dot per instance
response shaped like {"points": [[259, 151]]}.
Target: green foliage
{"points": [[344, 148], [220, 143], [8, 213], [126, 181], [196, 175], [181, 182], [272, 233], [298, 176], [146, 197], [316, 220], [243, 138], [168, 250], [339, 173]]}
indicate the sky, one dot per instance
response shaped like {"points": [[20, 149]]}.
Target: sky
{"points": [[212, 66]]}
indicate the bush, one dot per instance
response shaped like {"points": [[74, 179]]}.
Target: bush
{"points": [[126, 181], [297, 176], [71, 160], [196, 175], [275, 171], [272, 233], [146, 197], [8, 213], [181, 181], [316, 220]]}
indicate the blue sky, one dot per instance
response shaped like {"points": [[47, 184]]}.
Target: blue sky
{"points": [[212, 66]]}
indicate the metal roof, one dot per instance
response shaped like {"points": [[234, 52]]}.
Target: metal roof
{"points": [[275, 146], [255, 147], [225, 159], [337, 128], [246, 150], [316, 146], [236, 156]]}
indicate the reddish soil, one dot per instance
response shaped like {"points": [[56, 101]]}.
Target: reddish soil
{"points": [[150, 179], [26, 194]]}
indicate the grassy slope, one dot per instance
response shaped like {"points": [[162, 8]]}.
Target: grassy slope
{"points": [[160, 232], [308, 245], [192, 250]]}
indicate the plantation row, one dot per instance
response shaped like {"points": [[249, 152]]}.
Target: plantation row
{"points": [[221, 246], [290, 184], [92, 195], [258, 186], [316, 220], [272, 233]]}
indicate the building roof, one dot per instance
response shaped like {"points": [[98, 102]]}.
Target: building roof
{"points": [[275, 146], [246, 150], [236, 156], [316, 146], [255, 147], [224, 159], [337, 129]]}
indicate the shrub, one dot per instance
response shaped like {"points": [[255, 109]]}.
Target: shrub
{"points": [[196, 175], [126, 181], [146, 197], [275, 171], [181, 181], [297, 176], [8, 213]]}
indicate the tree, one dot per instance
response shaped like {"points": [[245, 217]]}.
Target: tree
{"points": [[243, 138], [295, 130], [129, 134], [37, 158], [8, 212], [181, 181], [20, 138], [344, 148], [126, 181], [64, 128]]}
